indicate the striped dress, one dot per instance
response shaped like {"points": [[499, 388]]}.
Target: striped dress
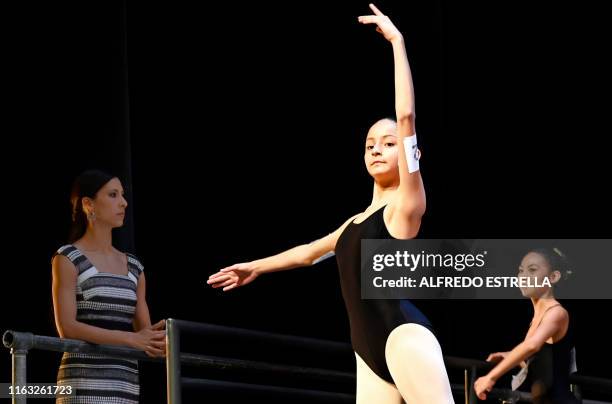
{"points": [[108, 301]]}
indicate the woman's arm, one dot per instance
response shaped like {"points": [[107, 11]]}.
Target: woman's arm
{"points": [[303, 255], [142, 319], [409, 204], [65, 310], [552, 324]]}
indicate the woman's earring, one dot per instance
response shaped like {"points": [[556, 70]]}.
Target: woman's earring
{"points": [[91, 216]]}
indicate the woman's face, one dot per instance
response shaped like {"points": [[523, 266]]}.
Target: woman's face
{"points": [[109, 204], [381, 150], [536, 267]]}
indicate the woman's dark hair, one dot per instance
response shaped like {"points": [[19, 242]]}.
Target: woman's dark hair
{"points": [[87, 184], [556, 260]]}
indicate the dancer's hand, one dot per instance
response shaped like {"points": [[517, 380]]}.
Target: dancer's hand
{"points": [[233, 276], [497, 356], [384, 24], [482, 386]]}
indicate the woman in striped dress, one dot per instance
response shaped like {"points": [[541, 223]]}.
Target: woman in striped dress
{"points": [[99, 297]]}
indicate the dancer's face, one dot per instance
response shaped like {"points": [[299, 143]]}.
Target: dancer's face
{"points": [[108, 205], [537, 267], [381, 150]]}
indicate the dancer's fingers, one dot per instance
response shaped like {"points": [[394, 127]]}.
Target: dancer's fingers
{"points": [[375, 9], [220, 278]]}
